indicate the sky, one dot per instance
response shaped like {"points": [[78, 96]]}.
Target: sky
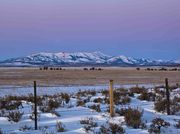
{"points": [[135, 28]]}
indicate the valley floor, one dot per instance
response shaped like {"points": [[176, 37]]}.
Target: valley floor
{"points": [[78, 76]]}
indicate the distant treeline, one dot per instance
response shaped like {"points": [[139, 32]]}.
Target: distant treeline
{"points": [[160, 69], [60, 68], [51, 68], [93, 68]]}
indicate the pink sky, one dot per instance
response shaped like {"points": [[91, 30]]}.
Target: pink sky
{"points": [[81, 22]]}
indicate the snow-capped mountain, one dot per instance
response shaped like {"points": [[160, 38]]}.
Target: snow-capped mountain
{"points": [[82, 58]]}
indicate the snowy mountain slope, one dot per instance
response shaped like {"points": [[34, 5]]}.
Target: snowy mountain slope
{"points": [[82, 58], [177, 61]]}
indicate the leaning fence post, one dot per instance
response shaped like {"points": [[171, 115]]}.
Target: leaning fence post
{"points": [[35, 105], [167, 96], [111, 98]]}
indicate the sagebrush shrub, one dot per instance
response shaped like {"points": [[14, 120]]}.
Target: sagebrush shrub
{"points": [[175, 105], [53, 104], [178, 125], [112, 128], [133, 118], [89, 124], [45, 109], [80, 103], [89, 120], [66, 97], [160, 92], [15, 116], [121, 98], [121, 111], [98, 100], [106, 100], [86, 93], [95, 107], [160, 105], [137, 89], [122, 91], [157, 124], [25, 128], [147, 96], [18, 99], [60, 127], [10, 105], [105, 93], [124, 100]]}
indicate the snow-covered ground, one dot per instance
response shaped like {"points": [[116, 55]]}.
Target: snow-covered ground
{"points": [[71, 114], [18, 91]]}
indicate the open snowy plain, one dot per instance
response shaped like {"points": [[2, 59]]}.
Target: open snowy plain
{"points": [[85, 110]]}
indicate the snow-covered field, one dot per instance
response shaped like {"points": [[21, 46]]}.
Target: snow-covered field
{"points": [[71, 114], [19, 91]]}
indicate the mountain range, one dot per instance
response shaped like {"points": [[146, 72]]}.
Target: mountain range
{"points": [[83, 59]]}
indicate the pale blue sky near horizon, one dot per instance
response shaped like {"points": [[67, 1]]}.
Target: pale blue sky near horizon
{"points": [[143, 28]]}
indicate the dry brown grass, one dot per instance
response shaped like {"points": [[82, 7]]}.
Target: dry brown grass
{"points": [[78, 76]]}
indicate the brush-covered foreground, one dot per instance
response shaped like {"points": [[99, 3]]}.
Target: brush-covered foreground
{"points": [[137, 110]]}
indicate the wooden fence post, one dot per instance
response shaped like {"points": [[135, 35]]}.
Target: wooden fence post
{"points": [[35, 105], [111, 98], [167, 96], [177, 84]]}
